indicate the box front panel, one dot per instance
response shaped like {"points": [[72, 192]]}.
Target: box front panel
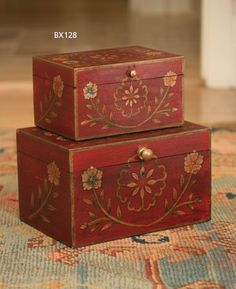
{"points": [[44, 197], [130, 105], [141, 196]]}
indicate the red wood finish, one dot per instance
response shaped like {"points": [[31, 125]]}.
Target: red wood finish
{"points": [[99, 190], [92, 94]]}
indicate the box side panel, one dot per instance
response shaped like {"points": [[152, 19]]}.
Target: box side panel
{"points": [[39, 147], [54, 105], [141, 197], [44, 197], [128, 106]]}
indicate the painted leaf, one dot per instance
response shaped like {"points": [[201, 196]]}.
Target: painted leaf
{"points": [[92, 215], [88, 202], [105, 126], [174, 194], [166, 205], [156, 100], [156, 120], [32, 201], [47, 120], [165, 113], [111, 116], [92, 124], [161, 91], [190, 196], [149, 109], [40, 193], [118, 212], [84, 122], [102, 194], [53, 114], [107, 226], [103, 109], [179, 212], [43, 218], [58, 104], [55, 195], [93, 228], [89, 106], [167, 104], [84, 226], [50, 207]]}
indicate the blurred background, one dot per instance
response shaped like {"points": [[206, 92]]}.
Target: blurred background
{"points": [[203, 31]]}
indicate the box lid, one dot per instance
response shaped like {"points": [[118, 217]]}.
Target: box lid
{"points": [[109, 65], [75, 156]]}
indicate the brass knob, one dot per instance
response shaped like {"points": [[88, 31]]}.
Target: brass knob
{"points": [[146, 154], [133, 73]]}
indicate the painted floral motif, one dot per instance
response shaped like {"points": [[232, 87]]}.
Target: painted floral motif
{"points": [[53, 173], [170, 79], [92, 179], [130, 98], [52, 101], [140, 188], [104, 57], [193, 163], [139, 191], [41, 201], [90, 90], [58, 86]]}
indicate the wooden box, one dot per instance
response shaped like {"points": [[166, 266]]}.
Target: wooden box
{"points": [[108, 92], [98, 190]]}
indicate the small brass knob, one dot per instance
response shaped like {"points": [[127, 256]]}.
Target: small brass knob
{"points": [[146, 154], [133, 73]]}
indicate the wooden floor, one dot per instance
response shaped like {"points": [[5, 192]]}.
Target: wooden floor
{"points": [[28, 30]]}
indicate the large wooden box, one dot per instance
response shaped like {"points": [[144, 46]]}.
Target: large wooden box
{"points": [[107, 92], [98, 190]]}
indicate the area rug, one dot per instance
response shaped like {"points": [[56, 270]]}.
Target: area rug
{"points": [[199, 256]]}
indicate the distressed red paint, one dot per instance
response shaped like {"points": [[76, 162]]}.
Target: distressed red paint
{"points": [[98, 190], [94, 94]]}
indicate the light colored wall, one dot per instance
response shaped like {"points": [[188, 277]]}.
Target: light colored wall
{"points": [[161, 6], [218, 43]]}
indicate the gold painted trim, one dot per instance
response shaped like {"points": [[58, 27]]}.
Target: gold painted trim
{"points": [[136, 140], [148, 61]]}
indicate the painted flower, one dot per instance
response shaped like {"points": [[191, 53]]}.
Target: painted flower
{"points": [[140, 188], [130, 98], [73, 62], [104, 57], [193, 162], [170, 79], [92, 179], [58, 86], [53, 173], [90, 90]]}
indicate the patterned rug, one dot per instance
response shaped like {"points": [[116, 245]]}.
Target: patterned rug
{"points": [[198, 256]]}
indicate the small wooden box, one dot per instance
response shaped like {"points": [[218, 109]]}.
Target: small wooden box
{"points": [[108, 92], [98, 190]]}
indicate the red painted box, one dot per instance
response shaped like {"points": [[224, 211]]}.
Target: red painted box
{"points": [[93, 191], [108, 92]]}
